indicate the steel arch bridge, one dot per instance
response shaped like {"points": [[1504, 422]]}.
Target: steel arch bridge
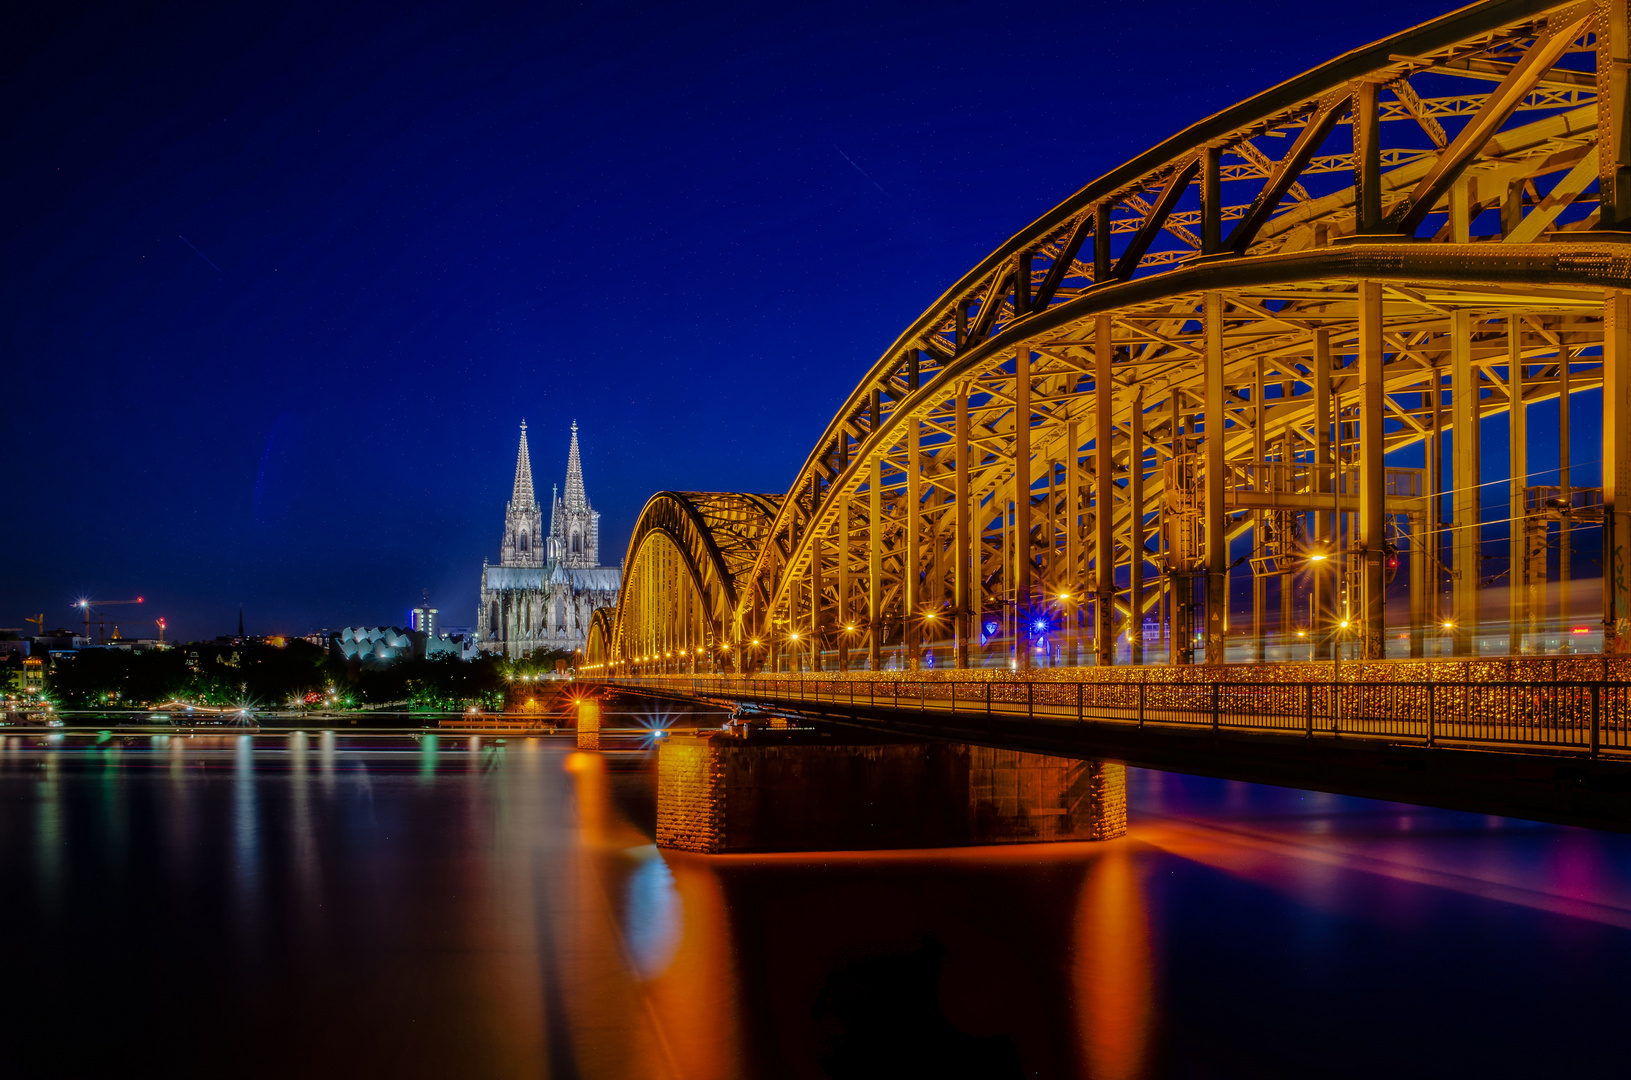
{"points": [[1249, 354], [688, 566]]}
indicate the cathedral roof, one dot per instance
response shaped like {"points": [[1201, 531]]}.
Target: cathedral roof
{"points": [[538, 578], [576, 499], [522, 497]]}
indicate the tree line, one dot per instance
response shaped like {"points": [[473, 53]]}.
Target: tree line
{"points": [[294, 674]]}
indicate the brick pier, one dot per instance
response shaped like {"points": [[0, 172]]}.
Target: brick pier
{"points": [[719, 793]]}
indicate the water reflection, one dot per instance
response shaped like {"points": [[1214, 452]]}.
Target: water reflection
{"points": [[1113, 967], [352, 906], [651, 913]]}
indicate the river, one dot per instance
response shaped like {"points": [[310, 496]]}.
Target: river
{"points": [[338, 905]]}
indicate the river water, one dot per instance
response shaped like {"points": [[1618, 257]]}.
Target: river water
{"points": [[319, 905]]}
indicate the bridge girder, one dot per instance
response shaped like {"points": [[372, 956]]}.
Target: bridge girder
{"points": [[1363, 259]]}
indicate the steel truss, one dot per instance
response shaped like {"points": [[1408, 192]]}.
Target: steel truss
{"points": [[1203, 360]]}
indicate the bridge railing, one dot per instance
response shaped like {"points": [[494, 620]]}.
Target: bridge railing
{"points": [[1588, 717]]}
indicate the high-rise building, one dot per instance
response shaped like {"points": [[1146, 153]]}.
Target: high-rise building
{"points": [[545, 586], [423, 619]]}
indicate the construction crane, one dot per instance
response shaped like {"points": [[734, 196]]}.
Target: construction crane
{"points": [[37, 620], [95, 605], [160, 623]]}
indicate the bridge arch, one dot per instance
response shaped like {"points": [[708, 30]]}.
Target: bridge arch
{"points": [[687, 564], [1256, 345]]}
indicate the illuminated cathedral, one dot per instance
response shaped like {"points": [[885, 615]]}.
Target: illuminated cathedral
{"points": [[546, 585]]}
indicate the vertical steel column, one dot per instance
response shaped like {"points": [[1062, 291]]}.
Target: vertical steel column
{"points": [[1211, 200], [1022, 506], [795, 663], [1418, 582], [874, 591], [1022, 284], [1372, 488], [962, 544], [1217, 549], [1613, 32], [1135, 531], [1616, 473], [1260, 471], [1421, 533], [1104, 488], [1180, 581], [1565, 495], [1367, 144], [1435, 500], [1517, 544], [843, 616], [1102, 267], [817, 588], [1286, 483], [1464, 380], [1009, 562], [1323, 590], [1072, 579], [1465, 412], [911, 623], [1048, 571]]}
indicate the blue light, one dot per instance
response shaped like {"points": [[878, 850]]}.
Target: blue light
{"points": [[1040, 626]]}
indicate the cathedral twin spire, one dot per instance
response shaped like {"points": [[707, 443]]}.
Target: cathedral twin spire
{"points": [[523, 497], [575, 497], [523, 519], [574, 528]]}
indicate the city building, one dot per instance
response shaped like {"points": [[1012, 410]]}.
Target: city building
{"points": [[423, 619], [545, 586], [380, 646], [24, 676]]}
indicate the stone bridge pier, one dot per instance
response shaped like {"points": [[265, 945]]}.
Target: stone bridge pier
{"points": [[814, 791]]}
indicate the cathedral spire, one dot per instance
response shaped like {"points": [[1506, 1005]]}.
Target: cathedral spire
{"points": [[522, 497], [575, 497]]}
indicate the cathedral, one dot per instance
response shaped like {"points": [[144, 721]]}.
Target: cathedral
{"points": [[546, 585]]}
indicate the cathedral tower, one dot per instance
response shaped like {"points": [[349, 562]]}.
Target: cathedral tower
{"points": [[574, 526], [523, 518]]}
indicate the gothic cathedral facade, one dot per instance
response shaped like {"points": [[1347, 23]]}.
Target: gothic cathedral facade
{"points": [[546, 585]]}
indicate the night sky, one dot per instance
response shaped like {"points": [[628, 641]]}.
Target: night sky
{"points": [[691, 228]]}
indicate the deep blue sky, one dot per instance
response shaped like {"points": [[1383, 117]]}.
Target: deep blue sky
{"points": [[691, 228]]}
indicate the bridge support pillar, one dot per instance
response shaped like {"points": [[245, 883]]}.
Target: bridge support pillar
{"points": [[1104, 506], [962, 548], [1464, 445], [1372, 480], [1135, 531], [1023, 548], [1616, 473], [775, 792], [1216, 533], [1518, 575], [588, 724]]}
